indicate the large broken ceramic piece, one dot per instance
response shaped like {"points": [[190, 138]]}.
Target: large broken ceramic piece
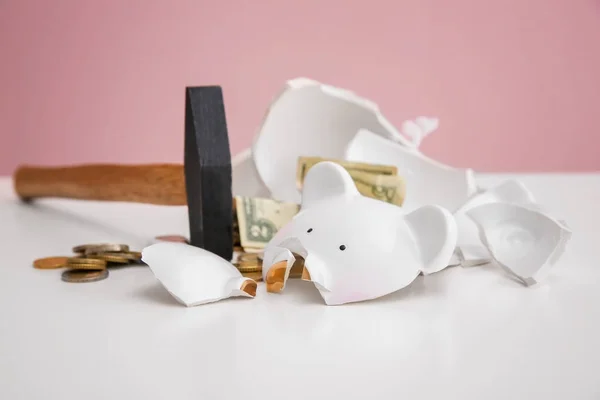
{"points": [[356, 248], [470, 250], [524, 241], [195, 276], [312, 119], [245, 179], [427, 181]]}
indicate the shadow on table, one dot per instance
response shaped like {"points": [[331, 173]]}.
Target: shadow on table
{"points": [[156, 293]]}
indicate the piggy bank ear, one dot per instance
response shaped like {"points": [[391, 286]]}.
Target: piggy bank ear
{"points": [[435, 232], [327, 180]]}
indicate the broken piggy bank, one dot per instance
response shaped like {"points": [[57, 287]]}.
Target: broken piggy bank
{"points": [[356, 248]]}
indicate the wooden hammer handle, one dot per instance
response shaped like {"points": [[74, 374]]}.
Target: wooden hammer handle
{"points": [[152, 184]]}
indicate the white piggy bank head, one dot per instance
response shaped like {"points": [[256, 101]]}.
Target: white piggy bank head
{"points": [[357, 248]]}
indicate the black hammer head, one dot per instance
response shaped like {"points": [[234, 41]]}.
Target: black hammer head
{"points": [[207, 165]]}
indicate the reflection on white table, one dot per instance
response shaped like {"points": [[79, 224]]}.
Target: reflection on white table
{"points": [[463, 333]]}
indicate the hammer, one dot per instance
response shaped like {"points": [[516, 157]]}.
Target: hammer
{"points": [[203, 182]]}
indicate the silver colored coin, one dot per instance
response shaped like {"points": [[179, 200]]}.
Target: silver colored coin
{"points": [[81, 276], [105, 248]]}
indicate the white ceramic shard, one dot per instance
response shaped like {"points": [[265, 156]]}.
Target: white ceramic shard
{"points": [[470, 249], [311, 119], [511, 191], [524, 241], [195, 276], [245, 179], [356, 248], [419, 128], [427, 181]]}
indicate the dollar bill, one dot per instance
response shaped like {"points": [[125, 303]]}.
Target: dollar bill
{"points": [[259, 219], [380, 182], [388, 188], [306, 163]]}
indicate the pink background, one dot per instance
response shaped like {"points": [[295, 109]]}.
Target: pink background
{"points": [[515, 83]]}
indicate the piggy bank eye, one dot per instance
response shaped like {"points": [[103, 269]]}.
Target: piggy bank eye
{"points": [[309, 230], [343, 247]]}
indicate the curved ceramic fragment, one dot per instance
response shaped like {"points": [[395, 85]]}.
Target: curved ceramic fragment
{"points": [[434, 247], [195, 276], [245, 179], [525, 242], [511, 191], [419, 128], [280, 260], [469, 247], [427, 181], [356, 248], [308, 118]]}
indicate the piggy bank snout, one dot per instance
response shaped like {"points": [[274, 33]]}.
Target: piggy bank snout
{"points": [[313, 261]]}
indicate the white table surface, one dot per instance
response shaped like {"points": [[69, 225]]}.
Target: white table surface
{"points": [[459, 334]]}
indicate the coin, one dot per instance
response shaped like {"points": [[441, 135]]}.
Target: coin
{"points": [[78, 276], [84, 260], [50, 262], [113, 258], [85, 263], [87, 267], [81, 249], [248, 263], [136, 255], [172, 238], [255, 268], [104, 248]]}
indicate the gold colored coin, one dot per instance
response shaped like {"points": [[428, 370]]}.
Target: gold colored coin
{"points": [[136, 255], [248, 264], [80, 276], [84, 260], [50, 262], [113, 258], [87, 267], [105, 248], [249, 269], [85, 263], [130, 255]]}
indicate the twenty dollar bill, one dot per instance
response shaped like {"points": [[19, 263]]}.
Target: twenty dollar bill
{"points": [[380, 182], [306, 163]]}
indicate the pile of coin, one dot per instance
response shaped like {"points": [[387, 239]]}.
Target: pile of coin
{"points": [[91, 262], [249, 264]]}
